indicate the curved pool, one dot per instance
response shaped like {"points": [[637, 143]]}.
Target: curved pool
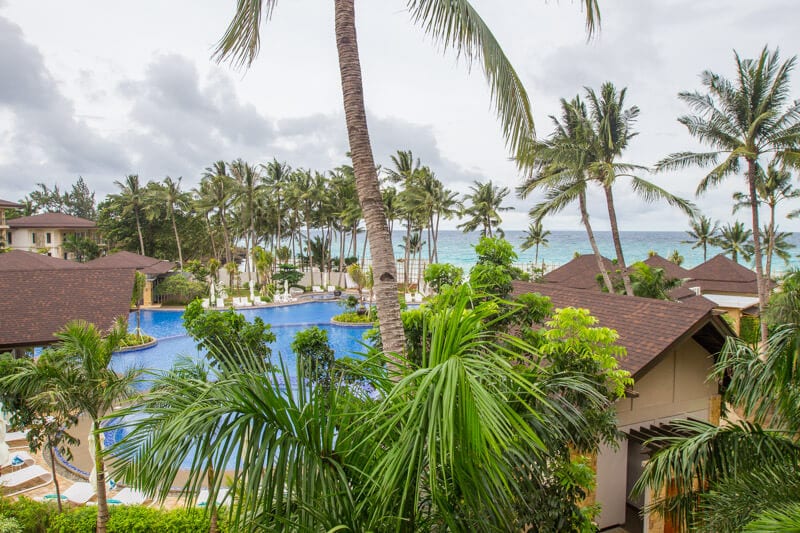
{"points": [[286, 321]]}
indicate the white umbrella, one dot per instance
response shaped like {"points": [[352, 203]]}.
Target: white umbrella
{"points": [[4, 453], [252, 292], [212, 297], [286, 288]]}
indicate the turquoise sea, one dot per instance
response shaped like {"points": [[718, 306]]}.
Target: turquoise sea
{"points": [[458, 248]]}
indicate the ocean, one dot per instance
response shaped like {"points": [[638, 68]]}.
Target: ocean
{"points": [[458, 248]]}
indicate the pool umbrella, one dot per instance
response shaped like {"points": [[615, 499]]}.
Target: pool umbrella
{"points": [[4, 453], [212, 296], [252, 294], [286, 288]]}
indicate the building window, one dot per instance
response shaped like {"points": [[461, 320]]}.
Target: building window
{"points": [[48, 238], [33, 237], [8, 238]]}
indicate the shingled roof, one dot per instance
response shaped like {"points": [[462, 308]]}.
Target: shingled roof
{"points": [[720, 274], [5, 204], [647, 328], [36, 302], [20, 260], [580, 273], [147, 265], [51, 220], [671, 270]]}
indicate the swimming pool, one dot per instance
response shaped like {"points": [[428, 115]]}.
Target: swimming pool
{"points": [[286, 321]]}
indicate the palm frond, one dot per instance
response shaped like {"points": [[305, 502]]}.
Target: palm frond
{"points": [[242, 39]]}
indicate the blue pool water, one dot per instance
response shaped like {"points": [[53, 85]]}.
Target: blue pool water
{"points": [[286, 321]]}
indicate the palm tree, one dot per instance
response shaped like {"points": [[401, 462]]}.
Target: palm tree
{"points": [[486, 201], [703, 232], [217, 189], [172, 196], [742, 475], [131, 197], [612, 125], [560, 165], [649, 282], [79, 375], [534, 237], [743, 120], [276, 177], [246, 197], [455, 24], [735, 240]]}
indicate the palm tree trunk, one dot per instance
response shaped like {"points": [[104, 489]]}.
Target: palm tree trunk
{"points": [[341, 256], [177, 238], [599, 258], [212, 503], [407, 257], [308, 248], [211, 236], [364, 250], [102, 502], [760, 281], [369, 193], [139, 231], [770, 245], [612, 218], [226, 235], [55, 476]]}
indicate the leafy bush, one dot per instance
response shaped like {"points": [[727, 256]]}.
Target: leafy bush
{"points": [[354, 318], [32, 516], [132, 519], [438, 275], [176, 289], [132, 339], [315, 354], [750, 329], [78, 520], [9, 525]]}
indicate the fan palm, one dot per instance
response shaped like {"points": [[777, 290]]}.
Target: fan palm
{"points": [[743, 120], [455, 24], [735, 240], [703, 233]]}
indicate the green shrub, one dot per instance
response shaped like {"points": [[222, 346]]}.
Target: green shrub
{"points": [[9, 525], [78, 520], [32, 516], [354, 318], [132, 339], [133, 519], [750, 329], [176, 289]]}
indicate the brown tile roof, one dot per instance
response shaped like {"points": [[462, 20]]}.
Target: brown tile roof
{"points": [[148, 265], [37, 303], [647, 328], [14, 260], [720, 274], [671, 270], [51, 220], [580, 273], [9, 205]]}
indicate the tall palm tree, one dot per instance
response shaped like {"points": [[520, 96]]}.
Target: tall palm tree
{"points": [[79, 375], [217, 189], [703, 232], [486, 201], [735, 240], [560, 165], [247, 197], [173, 198], [612, 125], [454, 23], [131, 197], [534, 237], [406, 172], [743, 120], [276, 177]]}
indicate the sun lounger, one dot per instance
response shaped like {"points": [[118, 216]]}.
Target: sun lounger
{"points": [[23, 480], [202, 498], [17, 459], [331, 288], [409, 299], [418, 298], [128, 496], [14, 436], [79, 493], [316, 288], [206, 303]]}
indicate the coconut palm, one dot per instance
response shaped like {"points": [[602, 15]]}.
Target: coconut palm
{"points": [[560, 165], [79, 375], [216, 192], [650, 282], [738, 476], [612, 125], [703, 232], [485, 201], [276, 177], [132, 201], [455, 24], [247, 198], [743, 120], [534, 237], [173, 198], [735, 240]]}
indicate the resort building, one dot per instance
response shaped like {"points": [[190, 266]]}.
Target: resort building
{"points": [[154, 269], [670, 352], [42, 294], [46, 233], [4, 205]]}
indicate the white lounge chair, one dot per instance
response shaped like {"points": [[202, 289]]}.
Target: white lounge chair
{"points": [[206, 303], [13, 436], [316, 288], [79, 493], [24, 479], [128, 496], [409, 298], [17, 459], [331, 288], [418, 298], [202, 498]]}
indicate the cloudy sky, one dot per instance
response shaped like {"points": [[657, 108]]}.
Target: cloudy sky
{"points": [[104, 89]]}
